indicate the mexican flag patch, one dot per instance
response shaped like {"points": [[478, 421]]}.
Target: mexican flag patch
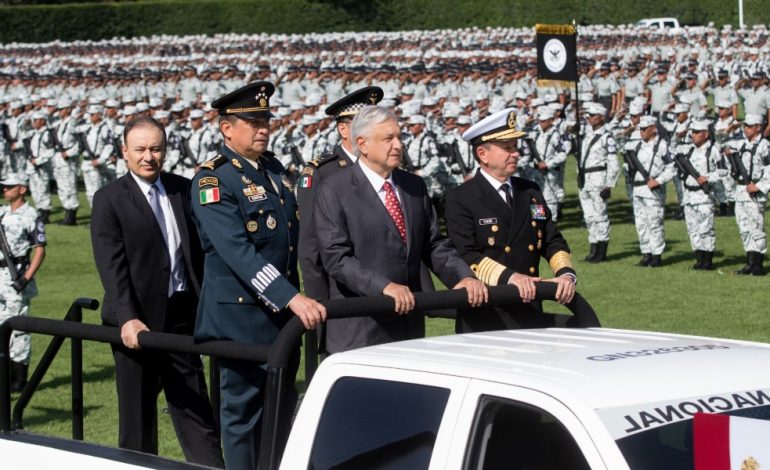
{"points": [[208, 196], [306, 181]]}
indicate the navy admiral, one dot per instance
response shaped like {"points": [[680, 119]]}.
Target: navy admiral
{"points": [[501, 226], [246, 215]]}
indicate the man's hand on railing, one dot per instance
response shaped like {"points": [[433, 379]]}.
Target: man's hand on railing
{"points": [[129, 333], [478, 293], [308, 310]]}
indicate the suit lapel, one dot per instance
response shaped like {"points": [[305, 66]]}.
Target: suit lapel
{"points": [[521, 210], [408, 207], [139, 200]]}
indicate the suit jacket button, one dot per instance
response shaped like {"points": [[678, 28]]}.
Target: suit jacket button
{"points": [[532, 270], [288, 272], [495, 228], [507, 249], [531, 247], [240, 300], [261, 211]]}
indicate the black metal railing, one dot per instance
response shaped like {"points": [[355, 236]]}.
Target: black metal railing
{"points": [[277, 357]]}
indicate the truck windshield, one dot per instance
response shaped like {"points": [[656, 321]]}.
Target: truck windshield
{"points": [[666, 435]]}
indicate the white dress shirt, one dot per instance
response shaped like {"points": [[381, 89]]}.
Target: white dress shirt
{"points": [[378, 182], [498, 185]]}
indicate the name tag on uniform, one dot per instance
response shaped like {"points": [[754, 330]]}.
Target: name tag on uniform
{"points": [[489, 221], [538, 211], [258, 197]]}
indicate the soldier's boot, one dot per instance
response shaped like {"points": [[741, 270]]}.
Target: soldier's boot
{"points": [[656, 261], [731, 208], [698, 260], [18, 376], [748, 267], [757, 266], [724, 210], [708, 260], [70, 217], [592, 254], [601, 252], [679, 214], [646, 259]]}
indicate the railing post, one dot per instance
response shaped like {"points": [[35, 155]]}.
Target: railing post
{"points": [[77, 377]]}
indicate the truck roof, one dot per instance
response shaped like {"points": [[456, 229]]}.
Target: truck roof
{"points": [[599, 366]]}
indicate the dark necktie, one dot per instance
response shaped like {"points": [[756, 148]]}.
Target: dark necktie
{"points": [[506, 187], [394, 209], [154, 194]]}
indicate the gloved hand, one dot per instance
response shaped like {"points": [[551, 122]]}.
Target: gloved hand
{"points": [[20, 283], [604, 193]]}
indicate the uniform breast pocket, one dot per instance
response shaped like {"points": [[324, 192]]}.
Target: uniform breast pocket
{"points": [[261, 223]]}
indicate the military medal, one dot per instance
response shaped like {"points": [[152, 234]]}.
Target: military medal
{"points": [[271, 222], [252, 226], [245, 180]]}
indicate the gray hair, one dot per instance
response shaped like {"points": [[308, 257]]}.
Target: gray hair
{"points": [[368, 117]]}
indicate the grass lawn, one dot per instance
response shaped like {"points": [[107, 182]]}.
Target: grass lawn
{"points": [[673, 298]]}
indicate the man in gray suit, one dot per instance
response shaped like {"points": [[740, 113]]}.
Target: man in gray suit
{"points": [[375, 225]]}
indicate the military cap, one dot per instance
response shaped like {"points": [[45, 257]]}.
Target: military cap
{"points": [[161, 114], [690, 76], [196, 114], [753, 120], [699, 125], [500, 126], [647, 121], [248, 102], [15, 179], [722, 73], [37, 115], [723, 103], [349, 105], [63, 103], [681, 108], [595, 109], [416, 119], [141, 107], [111, 104], [95, 109], [635, 108], [757, 75], [545, 113]]}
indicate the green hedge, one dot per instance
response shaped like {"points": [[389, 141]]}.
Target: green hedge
{"points": [[105, 20]]}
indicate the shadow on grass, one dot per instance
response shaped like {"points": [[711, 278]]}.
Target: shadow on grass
{"points": [[45, 415], [101, 374]]}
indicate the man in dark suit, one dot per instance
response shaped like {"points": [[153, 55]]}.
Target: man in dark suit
{"points": [[149, 260], [502, 226], [246, 216], [375, 224]]}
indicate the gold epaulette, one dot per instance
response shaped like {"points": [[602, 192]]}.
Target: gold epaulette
{"points": [[327, 157], [488, 271], [215, 162], [560, 260]]}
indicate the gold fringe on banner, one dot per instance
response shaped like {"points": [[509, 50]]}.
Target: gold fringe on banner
{"points": [[555, 83], [554, 29]]}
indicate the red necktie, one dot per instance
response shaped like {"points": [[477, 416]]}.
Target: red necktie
{"points": [[394, 209]]}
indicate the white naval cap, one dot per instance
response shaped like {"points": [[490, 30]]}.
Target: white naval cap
{"points": [[161, 114], [699, 125], [95, 109], [37, 115], [753, 120], [635, 108], [647, 121], [500, 126]]}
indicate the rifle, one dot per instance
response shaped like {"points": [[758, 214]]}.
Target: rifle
{"points": [[5, 248], [738, 167], [685, 166], [83, 145], [56, 142], [635, 166], [296, 157], [408, 163], [6, 132], [533, 151], [185, 151], [458, 158], [27, 143]]}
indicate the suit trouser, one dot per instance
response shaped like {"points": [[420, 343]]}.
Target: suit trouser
{"points": [[141, 374], [243, 385]]}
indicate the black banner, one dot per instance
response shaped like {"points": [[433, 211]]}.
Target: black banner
{"points": [[556, 55]]}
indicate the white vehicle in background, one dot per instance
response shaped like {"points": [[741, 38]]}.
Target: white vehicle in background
{"points": [[659, 23]]}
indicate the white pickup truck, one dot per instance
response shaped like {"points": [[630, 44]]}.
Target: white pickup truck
{"points": [[552, 398]]}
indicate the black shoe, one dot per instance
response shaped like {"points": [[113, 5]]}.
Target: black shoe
{"points": [[18, 376], [679, 214], [748, 267], [708, 261], [646, 259], [601, 252], [656, 261], [43, 216], [70, 217], [723, 210], [757, 268], [698, 260], [731, 209], [591, 254]]}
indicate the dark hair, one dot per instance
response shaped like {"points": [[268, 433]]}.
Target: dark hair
{"points": [[142, 121]]}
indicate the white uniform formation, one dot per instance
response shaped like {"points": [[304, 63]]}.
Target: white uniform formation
{"points": [[63, 106]]}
